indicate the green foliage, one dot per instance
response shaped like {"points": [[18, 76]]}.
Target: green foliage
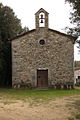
{"points": [[77, 65], [71, 118], [75, 17], [10, 27], [77, 116]]}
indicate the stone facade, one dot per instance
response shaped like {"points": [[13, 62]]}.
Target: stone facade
{"points": [[56, 55]]}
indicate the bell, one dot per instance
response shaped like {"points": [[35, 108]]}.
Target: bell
{"points": [[41, 16], [41, 21]]}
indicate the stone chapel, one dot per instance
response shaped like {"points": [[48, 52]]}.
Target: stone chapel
{"points": [[43, 57]]}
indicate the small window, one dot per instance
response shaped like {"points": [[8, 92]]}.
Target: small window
{"points": [[78, 77], [42, 42]]}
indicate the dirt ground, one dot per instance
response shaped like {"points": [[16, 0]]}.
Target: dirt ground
{"points": [[54, 109]]}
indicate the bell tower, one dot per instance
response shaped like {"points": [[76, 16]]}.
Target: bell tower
{"points": [[41, 18]]}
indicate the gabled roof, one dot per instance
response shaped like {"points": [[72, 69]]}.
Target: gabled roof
{"points": [[71, 37], [21, 35], [41, 10]]}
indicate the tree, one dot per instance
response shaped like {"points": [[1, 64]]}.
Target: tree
{"points": [[10, 27], [75, 18], [77, 65]]}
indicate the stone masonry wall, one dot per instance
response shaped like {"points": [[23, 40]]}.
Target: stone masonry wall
{"points": [[56, 55]]}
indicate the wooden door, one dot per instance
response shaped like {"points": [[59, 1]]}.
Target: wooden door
{"points": [[42, 78]]}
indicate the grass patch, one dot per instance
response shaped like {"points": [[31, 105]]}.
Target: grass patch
{"points": [[36, 94], [8, 102], [76, 104], [70, 118], [77, 116]]}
